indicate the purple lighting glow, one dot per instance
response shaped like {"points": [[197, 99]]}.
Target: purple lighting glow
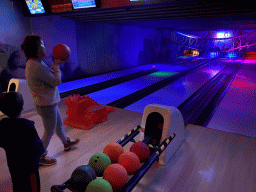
{"points": [[207, 175]]}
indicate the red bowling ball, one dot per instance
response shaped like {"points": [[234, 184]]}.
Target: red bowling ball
{"points": [[141, 150], [61, 51]]}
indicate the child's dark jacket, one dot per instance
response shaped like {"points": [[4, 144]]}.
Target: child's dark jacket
{"points": [[21, 143]]}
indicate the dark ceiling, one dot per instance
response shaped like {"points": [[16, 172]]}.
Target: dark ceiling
{"points": [[180, 15]]}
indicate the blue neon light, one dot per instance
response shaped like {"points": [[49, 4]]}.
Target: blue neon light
{"points": [[232, 54], [223, 35], [191, 36]]}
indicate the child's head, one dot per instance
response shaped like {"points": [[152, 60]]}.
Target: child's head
{"points": [[11, 104]]}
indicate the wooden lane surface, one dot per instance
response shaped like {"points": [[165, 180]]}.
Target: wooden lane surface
{"points": [[208, 160]]}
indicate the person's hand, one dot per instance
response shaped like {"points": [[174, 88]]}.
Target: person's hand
{"points": [[58, 62]]}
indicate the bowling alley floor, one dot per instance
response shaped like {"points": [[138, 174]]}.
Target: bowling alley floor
{"points": [[209, 160]]}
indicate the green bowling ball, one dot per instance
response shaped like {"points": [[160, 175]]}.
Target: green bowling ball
{"points": [[99, 162], [97, 185]]}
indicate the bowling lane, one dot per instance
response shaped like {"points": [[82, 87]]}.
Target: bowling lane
{"points": [[68, 86], [172, 65], [177, 92], [236, 112], [113, 93]]}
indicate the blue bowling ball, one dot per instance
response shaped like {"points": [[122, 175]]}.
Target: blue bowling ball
{"points": [[81, 177]]}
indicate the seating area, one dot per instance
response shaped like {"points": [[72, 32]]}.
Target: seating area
{"points": [[12, 65]]}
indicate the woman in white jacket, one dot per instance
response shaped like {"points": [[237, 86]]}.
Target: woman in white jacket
{"points": [[43, 84]]}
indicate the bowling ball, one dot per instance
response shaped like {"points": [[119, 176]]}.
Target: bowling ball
{"points": [[113, 150], [99, 185], [61, 51], [130, 161], [82, 176], [99, 162], [141, 150], [116, 175]]}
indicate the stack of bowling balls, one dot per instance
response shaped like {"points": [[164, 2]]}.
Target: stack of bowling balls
{"points": [[112, 167]]}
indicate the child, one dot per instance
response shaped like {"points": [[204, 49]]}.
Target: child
{"points": [[43, 84], [21, 143]]}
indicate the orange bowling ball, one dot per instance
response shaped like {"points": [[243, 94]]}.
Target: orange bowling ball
{"points": [[130, 161], [61, 51], [113, 150], [116, 175]]}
